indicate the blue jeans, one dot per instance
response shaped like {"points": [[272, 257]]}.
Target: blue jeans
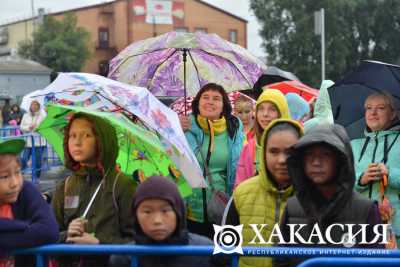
{"points": [[38, 153]]}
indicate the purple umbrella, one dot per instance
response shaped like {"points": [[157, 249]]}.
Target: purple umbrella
{"points": [[179, 64]]}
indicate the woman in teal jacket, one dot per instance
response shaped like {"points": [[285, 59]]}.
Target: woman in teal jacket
{"points": [[378, 153], [216, 136]]}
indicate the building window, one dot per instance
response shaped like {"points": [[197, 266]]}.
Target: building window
{"points": [[104, 38], [181, 29], [233, 36], [103, 68], [203, 30]]}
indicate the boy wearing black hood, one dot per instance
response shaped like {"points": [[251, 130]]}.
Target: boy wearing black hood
{"points": [[159, 218], [322, 171]]}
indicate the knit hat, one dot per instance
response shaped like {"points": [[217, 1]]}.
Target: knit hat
{"points": [[159, 187]]}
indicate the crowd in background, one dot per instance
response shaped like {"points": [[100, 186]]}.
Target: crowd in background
{"points": [[279, 160]]}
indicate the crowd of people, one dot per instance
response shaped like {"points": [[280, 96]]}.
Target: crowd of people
{"points": [[256, 158]]}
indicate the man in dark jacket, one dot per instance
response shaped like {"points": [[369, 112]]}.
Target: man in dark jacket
{"points": [[26, 220], [321, 168], [159, 215]]}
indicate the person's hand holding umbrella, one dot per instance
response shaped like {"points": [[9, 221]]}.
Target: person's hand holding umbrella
{"points": [[373, 173], [185, 123]]}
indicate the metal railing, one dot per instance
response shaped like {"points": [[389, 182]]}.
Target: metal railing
{"points": [[39, 150], [316, 256]]}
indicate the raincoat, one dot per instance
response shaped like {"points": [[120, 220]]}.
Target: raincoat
{"points": [[196, 139], [248, 163], [372, 149], [258, 200], [322, 109], [109, 218], [310, 207]]}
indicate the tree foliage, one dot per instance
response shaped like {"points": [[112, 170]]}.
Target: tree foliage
{"points": [[60, 45], [354, 30]]}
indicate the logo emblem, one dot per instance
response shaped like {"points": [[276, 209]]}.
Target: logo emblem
{"points": [[228, 239]]}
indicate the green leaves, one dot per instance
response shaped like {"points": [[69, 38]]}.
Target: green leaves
{"points": [[354, 30], [60, 45]]}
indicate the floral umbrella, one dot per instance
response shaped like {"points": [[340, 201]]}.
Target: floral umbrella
{"points": [[179, 64], [139, 149], [99, 93]]}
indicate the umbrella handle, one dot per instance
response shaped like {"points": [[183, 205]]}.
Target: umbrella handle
{"points": [[184, 78], [92, 200]]}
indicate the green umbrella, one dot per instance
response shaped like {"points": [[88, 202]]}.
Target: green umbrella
{"points": [[139, 149]]}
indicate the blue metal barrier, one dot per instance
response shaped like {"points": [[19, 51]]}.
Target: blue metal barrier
{"points": [[350, 262], [45, 152], [318, 256]]}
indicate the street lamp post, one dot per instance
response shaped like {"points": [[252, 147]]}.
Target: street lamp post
{"points": [[33, 15], [319, 27]]}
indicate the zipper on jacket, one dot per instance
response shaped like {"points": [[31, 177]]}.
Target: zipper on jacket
{"points": [[373, 160], [277, 208]]}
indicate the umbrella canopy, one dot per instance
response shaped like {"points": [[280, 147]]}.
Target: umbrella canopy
{"points": [[139, 149], [99, 93], [271, 75], [348, 95], [306, 92], [163, 64], [179, 105]]}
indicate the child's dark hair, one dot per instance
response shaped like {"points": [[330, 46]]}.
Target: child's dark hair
{"points": [[283, 127], [232, 122], [69, 161]]}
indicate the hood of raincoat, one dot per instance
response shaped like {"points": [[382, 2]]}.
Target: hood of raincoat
{"points": [[310, 198], [107, 144], [298, 107], [158, 187], [322, 108], [278, 99], [267, 181]]}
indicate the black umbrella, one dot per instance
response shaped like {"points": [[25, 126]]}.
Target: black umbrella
{"points": [[349, 94], [271, 75]]}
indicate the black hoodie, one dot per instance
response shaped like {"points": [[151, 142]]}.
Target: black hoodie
{"points": [[310, 207], [161, 188]]}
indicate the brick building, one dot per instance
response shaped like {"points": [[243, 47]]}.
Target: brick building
{"points": [[116, 24]]}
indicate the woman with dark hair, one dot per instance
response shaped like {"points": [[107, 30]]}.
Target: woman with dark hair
{"points": [[15, 115], [216, 138]]}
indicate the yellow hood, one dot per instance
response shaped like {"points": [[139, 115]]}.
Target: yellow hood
{"points": [[265, 179], [277, 98]]}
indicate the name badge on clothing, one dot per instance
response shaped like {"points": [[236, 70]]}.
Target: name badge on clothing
{"points": [[71, 202]]}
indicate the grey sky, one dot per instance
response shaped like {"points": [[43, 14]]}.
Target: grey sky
{"points": [[19, 9]]}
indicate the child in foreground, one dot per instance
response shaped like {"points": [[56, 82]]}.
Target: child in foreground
{"points": [[92, 206], [160, 219], [26, 220]]}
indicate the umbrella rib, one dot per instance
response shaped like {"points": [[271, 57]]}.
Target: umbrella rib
{"points": [[230, 62], [124, 109], [394, 75], [195, 67], [141, 54], [159, 65]]}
